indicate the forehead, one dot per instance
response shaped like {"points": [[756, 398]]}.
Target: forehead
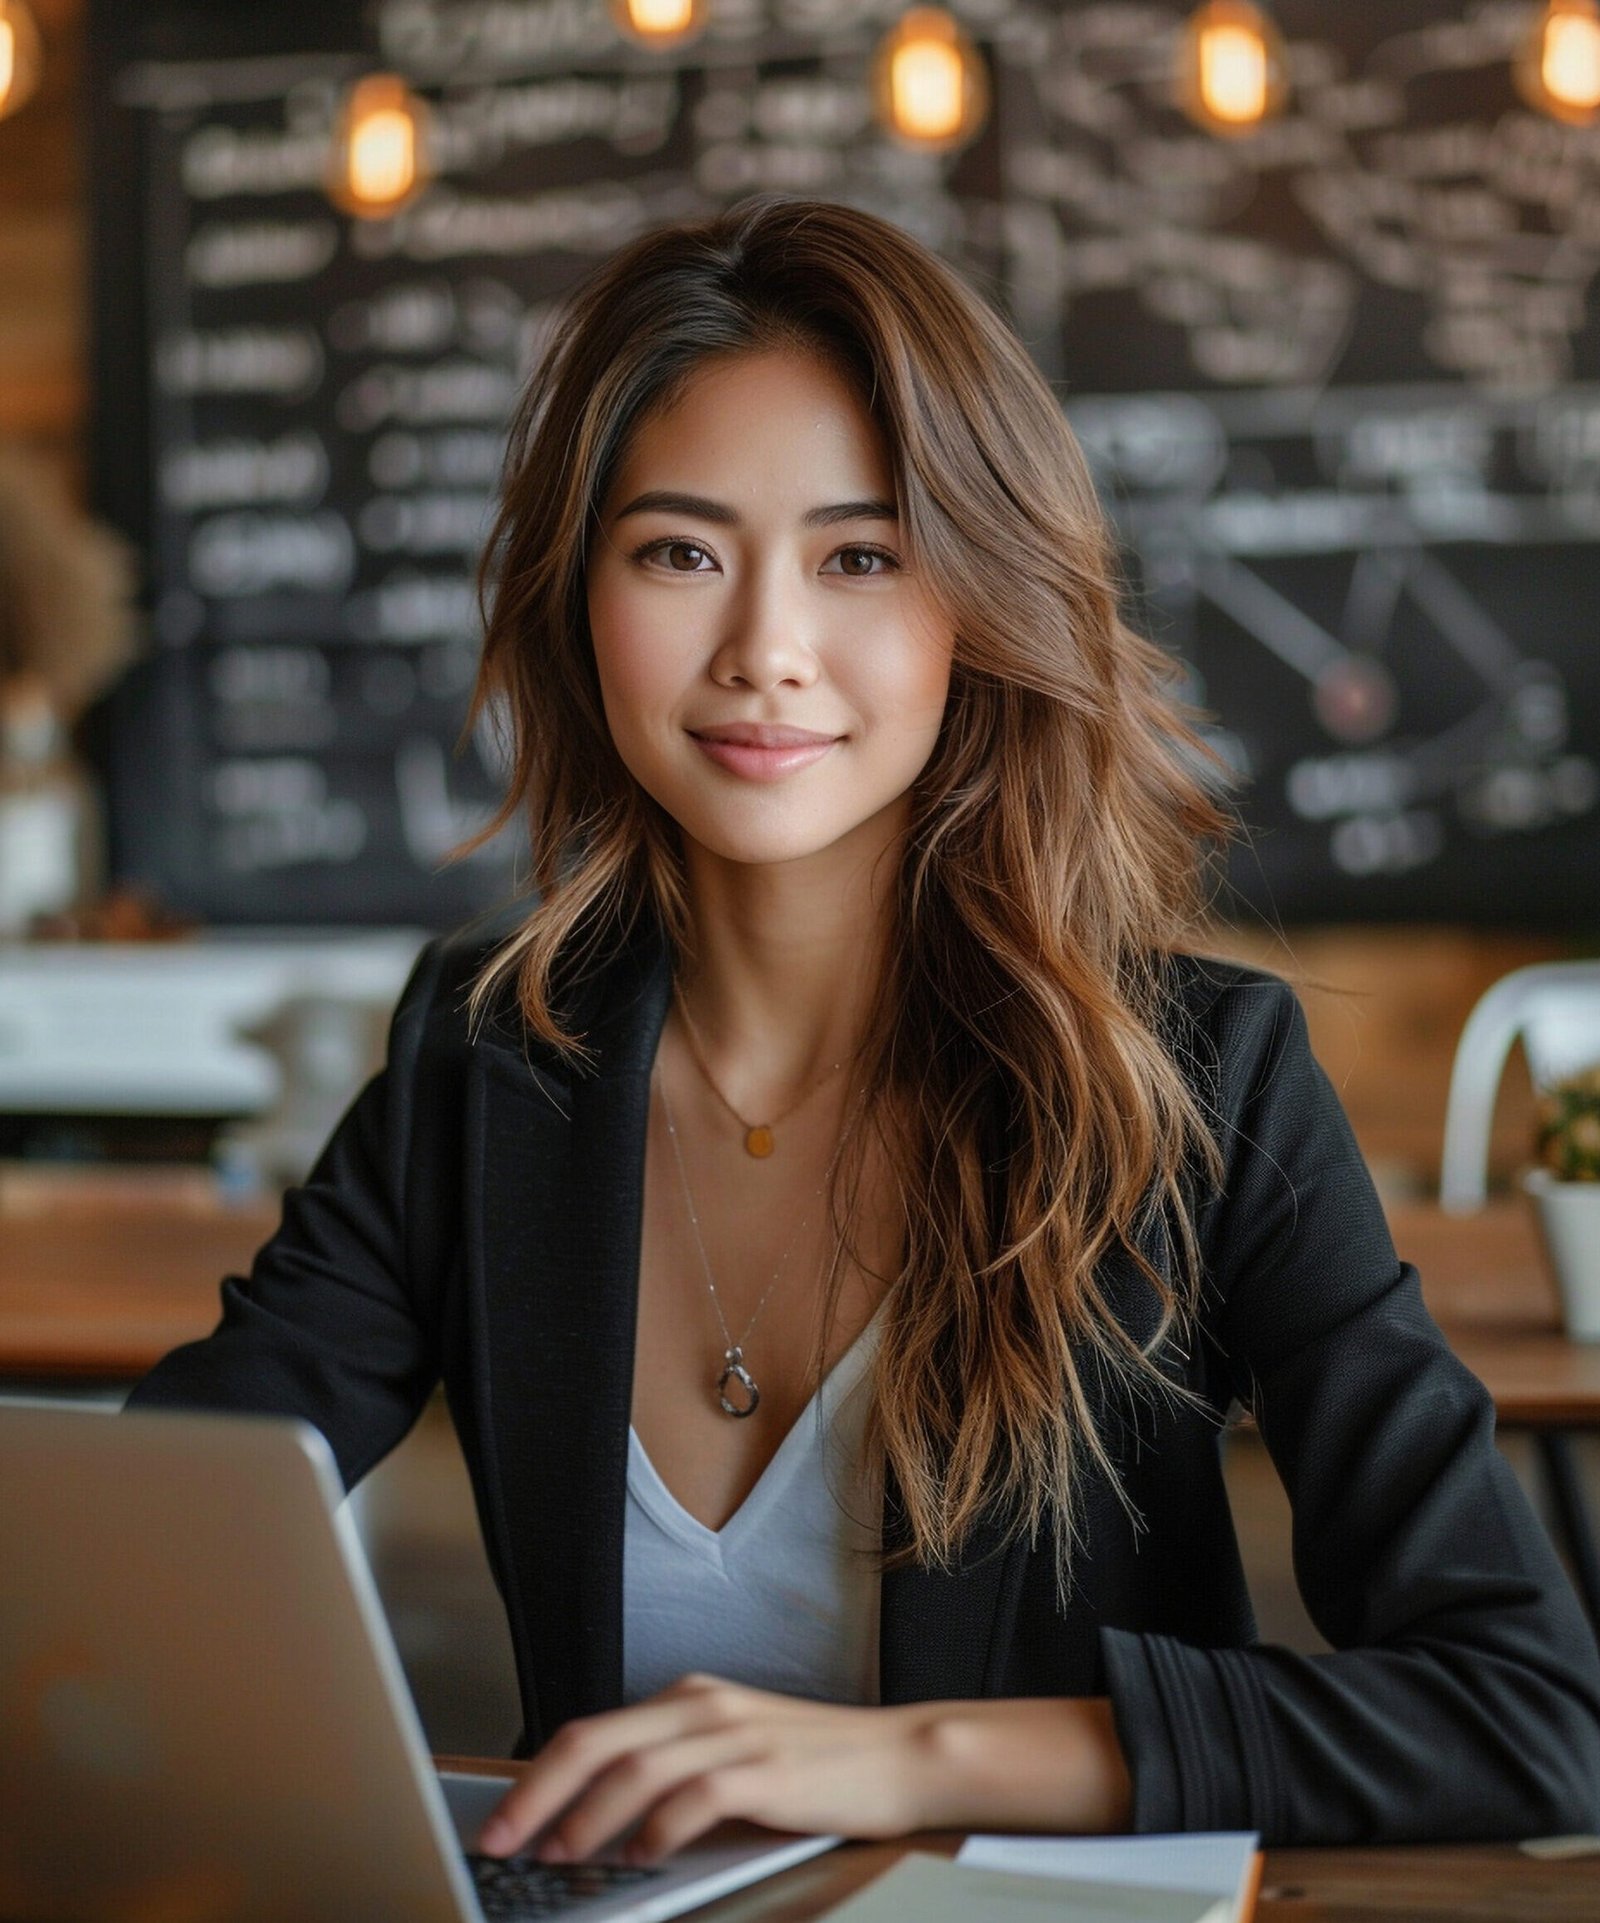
{"points": [[777, 422]]}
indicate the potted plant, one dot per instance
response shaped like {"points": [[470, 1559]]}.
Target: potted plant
{"points": [[1565, 1187]]}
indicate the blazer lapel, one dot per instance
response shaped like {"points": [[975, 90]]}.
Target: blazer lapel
{"points": [[554, 1259]]}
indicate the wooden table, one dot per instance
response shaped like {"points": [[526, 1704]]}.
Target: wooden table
{"points": [[100, 1277], [1481, 1883], [1485, 1279]]}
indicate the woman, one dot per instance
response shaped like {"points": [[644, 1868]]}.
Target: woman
{"points": [[841, 1213]]}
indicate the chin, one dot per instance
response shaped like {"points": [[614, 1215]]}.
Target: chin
{"points": [[760, 850], [789, 835]]}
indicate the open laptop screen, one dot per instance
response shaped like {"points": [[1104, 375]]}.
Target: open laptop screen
{"points": [[202, 1713]]}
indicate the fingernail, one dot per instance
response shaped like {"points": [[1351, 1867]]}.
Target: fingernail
{"points": [[496, 1836], [553, 1852]]}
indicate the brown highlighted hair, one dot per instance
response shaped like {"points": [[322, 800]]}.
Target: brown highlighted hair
{"points": [[1056, 856]]}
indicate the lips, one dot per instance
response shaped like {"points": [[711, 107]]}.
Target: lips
{"points": [[761, 751], [761, 734]]}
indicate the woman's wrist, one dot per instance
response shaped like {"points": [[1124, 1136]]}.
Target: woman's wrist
{"points": [[1038, 1763]]}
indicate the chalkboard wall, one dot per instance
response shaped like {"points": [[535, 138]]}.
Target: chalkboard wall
{"points": [[1340, 382]]}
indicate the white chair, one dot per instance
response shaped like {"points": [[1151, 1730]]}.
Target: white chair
{"points": [[1554, 1007]]}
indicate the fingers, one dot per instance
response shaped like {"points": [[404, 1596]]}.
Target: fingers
{"points": [[711, 1797], [669, 1769], [583, 1750], [633, 1788]]}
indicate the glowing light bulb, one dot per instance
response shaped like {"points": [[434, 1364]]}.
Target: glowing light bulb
{"points": [[929, 81], [1231, 70], [381, 153], [19, 57], [659, 23], [1559, 71], [1233, 73]]}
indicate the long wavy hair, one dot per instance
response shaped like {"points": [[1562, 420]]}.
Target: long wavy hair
{"points": [[1057, 854]]}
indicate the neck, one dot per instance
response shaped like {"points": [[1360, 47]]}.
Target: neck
{"points": [[787, 961]]}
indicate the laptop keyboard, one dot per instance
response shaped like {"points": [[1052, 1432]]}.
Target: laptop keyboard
{"points": [[511, 1887]]}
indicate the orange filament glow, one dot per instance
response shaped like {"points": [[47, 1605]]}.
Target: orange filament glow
{"points": [[930, 81]]}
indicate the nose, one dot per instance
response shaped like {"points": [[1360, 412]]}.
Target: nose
{"points": [[769, 636]]}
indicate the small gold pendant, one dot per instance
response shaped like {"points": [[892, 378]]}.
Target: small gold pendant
{"points": [[759, 1141]]}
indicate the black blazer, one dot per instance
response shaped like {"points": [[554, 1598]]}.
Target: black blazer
{"points": [[476, 1217]]}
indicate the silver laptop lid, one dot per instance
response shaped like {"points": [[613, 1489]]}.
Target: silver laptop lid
{"points": [[201, 1711]]}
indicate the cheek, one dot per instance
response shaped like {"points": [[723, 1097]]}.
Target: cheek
{"points": [[918, 683], [629, 660]]}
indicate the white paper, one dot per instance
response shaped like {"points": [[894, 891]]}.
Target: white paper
{"points": [[932, 1889], [1214, 1861]]}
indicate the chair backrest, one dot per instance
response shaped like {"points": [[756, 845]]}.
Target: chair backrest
{"points": [[1554, 1008]]}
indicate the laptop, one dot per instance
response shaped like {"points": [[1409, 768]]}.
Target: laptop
{"points": [[203, 1716]]}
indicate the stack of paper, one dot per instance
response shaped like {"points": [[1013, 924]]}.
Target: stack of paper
{"points": [[1207, 1878]]}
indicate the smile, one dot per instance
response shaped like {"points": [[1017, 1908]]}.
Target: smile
{"points": [[761, 753]]}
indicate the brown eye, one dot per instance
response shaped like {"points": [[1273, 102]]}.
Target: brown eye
{"points": [[685, 557], [861, 563]]}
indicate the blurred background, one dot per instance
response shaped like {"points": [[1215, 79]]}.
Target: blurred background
{"points": [[1315, 283]]}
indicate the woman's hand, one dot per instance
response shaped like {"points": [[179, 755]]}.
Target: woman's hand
{"points": [[706, 1750]]}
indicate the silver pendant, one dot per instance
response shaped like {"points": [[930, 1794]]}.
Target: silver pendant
{"points": [[735, 1371]]}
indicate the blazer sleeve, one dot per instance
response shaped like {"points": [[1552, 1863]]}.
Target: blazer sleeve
{"points": [[330, 1325], [1461, 1699]]}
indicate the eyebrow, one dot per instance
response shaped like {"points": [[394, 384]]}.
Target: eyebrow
{"points": [[663, 501]]}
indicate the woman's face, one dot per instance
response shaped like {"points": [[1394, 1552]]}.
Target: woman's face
{"points": [[773, 674]]}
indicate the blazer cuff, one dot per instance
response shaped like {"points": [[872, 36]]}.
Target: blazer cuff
{"points": [[1194, 1730]]}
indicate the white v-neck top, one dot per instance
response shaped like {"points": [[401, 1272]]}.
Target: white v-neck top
{"points": [[784, 1595]]}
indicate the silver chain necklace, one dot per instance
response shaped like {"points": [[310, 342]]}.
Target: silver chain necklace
{"points": [[733, 1370]]}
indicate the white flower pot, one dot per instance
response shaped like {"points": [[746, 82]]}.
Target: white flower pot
{"points": [[1569, 1218]]}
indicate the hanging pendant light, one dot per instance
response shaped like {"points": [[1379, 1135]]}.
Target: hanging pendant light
{"points": [[929, 84], [380, 150], [19, 56], [1230, 67], [1559, 68], [659, 23]]}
